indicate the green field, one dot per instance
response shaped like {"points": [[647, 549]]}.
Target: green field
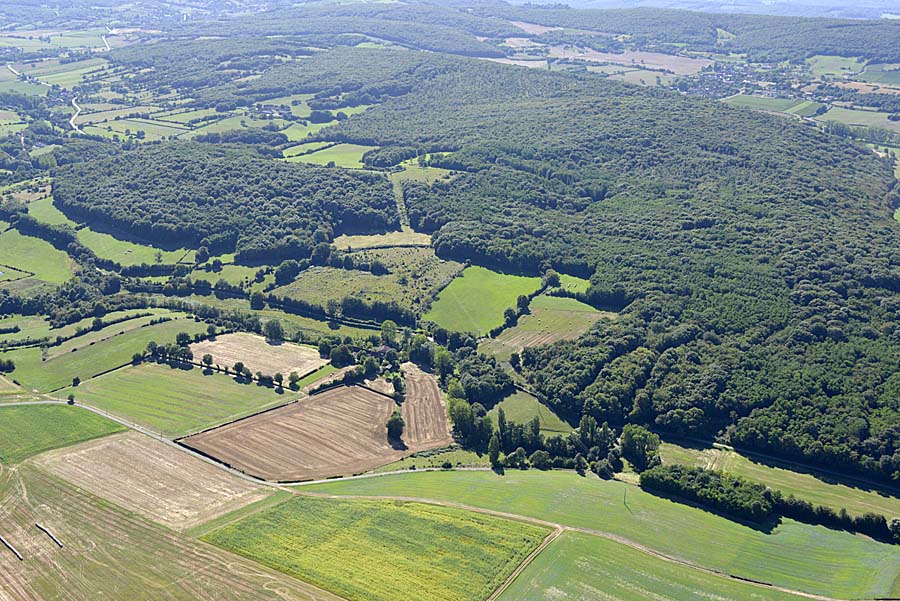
{"points": [[822, 490], [762, 103], [806, 108], [834, 66], [304, 148], [801, 557], [550, 319], [104, 245], [886, 74], [27, 430], [581, 566], [342, 155], [857, 117], [26, 253], [436, 459], [87, 362], [297, 132], [475, 301], [521, 407], [35, 327], [377, 550], [175, 402]]}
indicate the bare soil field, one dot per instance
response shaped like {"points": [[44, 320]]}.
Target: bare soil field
{"points": [[866, 88], [424, 411], [152, 478], [336, 433], [533, 28], [259, 355], [681, 65], [110, 553]]}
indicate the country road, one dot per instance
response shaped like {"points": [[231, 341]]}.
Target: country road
{"points": [[75, 116]]}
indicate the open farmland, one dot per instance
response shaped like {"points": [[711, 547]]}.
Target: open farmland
{"points": [[342, 155], [819, 489], [887, 74], [259, 354], [860, 117], [550, 319], [834, 66], [680, 65], [112, 554], [582, 566], [384, 551], [338, 432], [521, 407], [27, 430], [34, 255], [814, 559], [152, 478], [475, 301], [424, 411], [402, 238], [175, 401], [87, 362], [762, 103]]}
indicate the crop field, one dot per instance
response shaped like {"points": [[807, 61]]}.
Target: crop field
{"points": [[802, 557], [36, 256], [582, 566], [858, 117], [521, 407], [389, 239], [806, 108], [643, 77], [338, 432], [93, 337], [342, 155], [174, 401], [258, 354], [475, 301], [834, 66], [680, 65], [151, 478], [381, 551], [87, 362], [424, 411], [110, 553], [817, 489], [102, 118], [27, 430], [551, 319]]}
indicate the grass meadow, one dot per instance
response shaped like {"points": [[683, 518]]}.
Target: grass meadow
{"points": [[802, 557], [173, 401], [27, 430], [834, 66], [383, 550], [521, 407], [342, 155], [34, 255], [475, 301], [582, 566]]}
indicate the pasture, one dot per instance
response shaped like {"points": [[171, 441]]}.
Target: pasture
{"points": [[802, 557], [174, 401], [551, 319], [521, 407], [761, 103], [112, 553], [258, 354], [27, 430], [888, 74], [834, 66], [152, 478], [818, 489], [341, 155], [87, 362], [381, 551], [475, 301], [33, 255], [860, 117], [680, 65], [582, 566], [338, 432]]}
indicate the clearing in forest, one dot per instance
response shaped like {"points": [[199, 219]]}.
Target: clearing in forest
{"points": [[521, 407], [259, 354], [550, 319], [338, 432], [475, 301], [383, 550], [110, 553], [152, 478]]}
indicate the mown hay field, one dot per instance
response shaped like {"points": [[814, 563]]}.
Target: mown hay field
{"points": [[154, 479], [384, 550], [259, 354], [814, 559]]}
